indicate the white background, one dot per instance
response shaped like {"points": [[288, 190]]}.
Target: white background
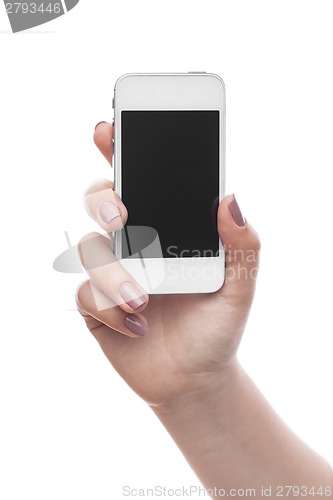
{"points": [[70, 428]]}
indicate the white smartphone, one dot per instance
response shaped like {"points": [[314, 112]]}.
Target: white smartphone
{"points": [[169, 162]]}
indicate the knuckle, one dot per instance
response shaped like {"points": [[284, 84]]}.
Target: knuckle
{"points": [[257, 243], [88, 237], [85, 246], [82, 294], [95, 251], [98, 185]]}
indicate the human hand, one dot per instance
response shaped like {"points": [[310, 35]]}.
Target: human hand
{"points": [[164, 346], [178, 352]]}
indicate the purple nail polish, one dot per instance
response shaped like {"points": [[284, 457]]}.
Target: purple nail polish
{"points": [[236, 213], [108, 211], [131, 295], [136, 325]]}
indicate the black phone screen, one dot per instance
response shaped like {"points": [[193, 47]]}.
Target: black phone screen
{"points": [[170, 178]]}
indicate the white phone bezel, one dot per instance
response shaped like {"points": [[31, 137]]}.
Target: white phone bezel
{"points": [[172, 91]]}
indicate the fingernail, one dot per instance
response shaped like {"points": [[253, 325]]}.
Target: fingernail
{"points": [[108, 211], [136, 325], [99, 124], [236, 213], [131, 295]]}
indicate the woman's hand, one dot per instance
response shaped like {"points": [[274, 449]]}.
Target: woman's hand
{"points": [[178, 352], [164, 346]]}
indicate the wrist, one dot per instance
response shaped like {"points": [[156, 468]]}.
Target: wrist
{"points": [[232, 438], [205, 390]]}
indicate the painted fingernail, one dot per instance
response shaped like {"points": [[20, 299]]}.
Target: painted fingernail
{"points": [[108, 211], [131, 295], [236, 213], [136, 325], [99, 124]]}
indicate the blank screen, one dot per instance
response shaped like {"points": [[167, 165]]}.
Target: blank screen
{"points": [[170, 178]]}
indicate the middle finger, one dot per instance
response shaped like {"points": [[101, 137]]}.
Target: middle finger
{"points": [[109, 275]]}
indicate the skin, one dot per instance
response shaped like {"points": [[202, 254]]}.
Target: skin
{"points": [[185, 366]]}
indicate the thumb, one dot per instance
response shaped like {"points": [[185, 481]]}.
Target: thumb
{"points": [[242, 246]]}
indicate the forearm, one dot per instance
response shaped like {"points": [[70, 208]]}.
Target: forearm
{"points": [[233, 439]]}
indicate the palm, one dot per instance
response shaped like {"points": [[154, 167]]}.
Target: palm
{"points": [[188, 335]]}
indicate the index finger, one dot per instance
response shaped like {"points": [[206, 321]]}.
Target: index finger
{"points": [[103, 138]]}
